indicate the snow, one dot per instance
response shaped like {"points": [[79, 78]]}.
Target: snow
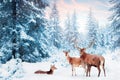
{"points": [[36, 52], [25, 36], [12, 69], [1, 53], [25, 71]]}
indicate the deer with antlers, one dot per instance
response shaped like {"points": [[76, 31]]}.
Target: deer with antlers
{"points": [[92, 60], [75, 62]]}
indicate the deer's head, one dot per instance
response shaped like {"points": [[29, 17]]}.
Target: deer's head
{"points": [[53, 67], [82, 50], [66, 53]]}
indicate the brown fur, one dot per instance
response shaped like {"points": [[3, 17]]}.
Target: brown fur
{"points": [[46, 72], [102, 63], [92, 60], [75, 62]]}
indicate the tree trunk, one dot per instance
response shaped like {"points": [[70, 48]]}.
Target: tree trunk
{"points": [[14, 32]]}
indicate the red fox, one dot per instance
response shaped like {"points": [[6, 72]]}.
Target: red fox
{"points": [[52, 68]]}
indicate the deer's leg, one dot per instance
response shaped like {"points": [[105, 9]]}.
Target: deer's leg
{"points": [[89, 70], [103, 66], [99, 70], [75, 71], [85, 70], [72, 70], [85, 67], [87, 73]]}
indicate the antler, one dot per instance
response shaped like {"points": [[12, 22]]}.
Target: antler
{"points": [[77, 47], [91, 44], [75, 44]]}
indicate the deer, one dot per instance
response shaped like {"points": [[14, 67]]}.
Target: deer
{"points": [[102, 63], [74, 62], [92, 60], [50, 72]]}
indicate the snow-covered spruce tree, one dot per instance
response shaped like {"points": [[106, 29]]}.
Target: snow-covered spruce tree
{"points": [[74, 27], [66, 37], [100, 37], [108, 43], [8, 33], [21, 21], [92, 28], [33, 25], [9, 38], [71, 31], [103, 40], [115, 18], [54, 27]]}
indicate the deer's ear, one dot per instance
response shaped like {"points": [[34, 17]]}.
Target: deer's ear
{"points": [[79, 48], [63, 51], [68, 50], [84, 49]]}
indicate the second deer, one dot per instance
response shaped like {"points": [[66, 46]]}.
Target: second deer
{"points": [[75, 62]]}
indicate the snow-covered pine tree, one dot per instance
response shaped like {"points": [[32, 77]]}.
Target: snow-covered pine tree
{"points": [[92, 28], [32, 22], [54, 26], [6, 32], [75, 27], [102, 40], [67, 32], [22, 27], [71, 30], [115, 19], [100, 37]]}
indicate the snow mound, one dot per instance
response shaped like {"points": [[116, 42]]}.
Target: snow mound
{"points": [[11, 70]]}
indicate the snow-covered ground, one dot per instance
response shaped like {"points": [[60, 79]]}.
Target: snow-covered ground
{"points": [[25, 71]]}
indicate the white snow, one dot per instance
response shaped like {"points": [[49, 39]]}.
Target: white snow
{"points": [[12, 69], [112, 67], [25, 36], [1, 53], [36, 52]]}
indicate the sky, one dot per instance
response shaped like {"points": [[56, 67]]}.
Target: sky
{"points": [[100, 10]]}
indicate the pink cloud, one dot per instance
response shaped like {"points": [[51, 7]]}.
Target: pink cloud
{"points": [[65, 8]]}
